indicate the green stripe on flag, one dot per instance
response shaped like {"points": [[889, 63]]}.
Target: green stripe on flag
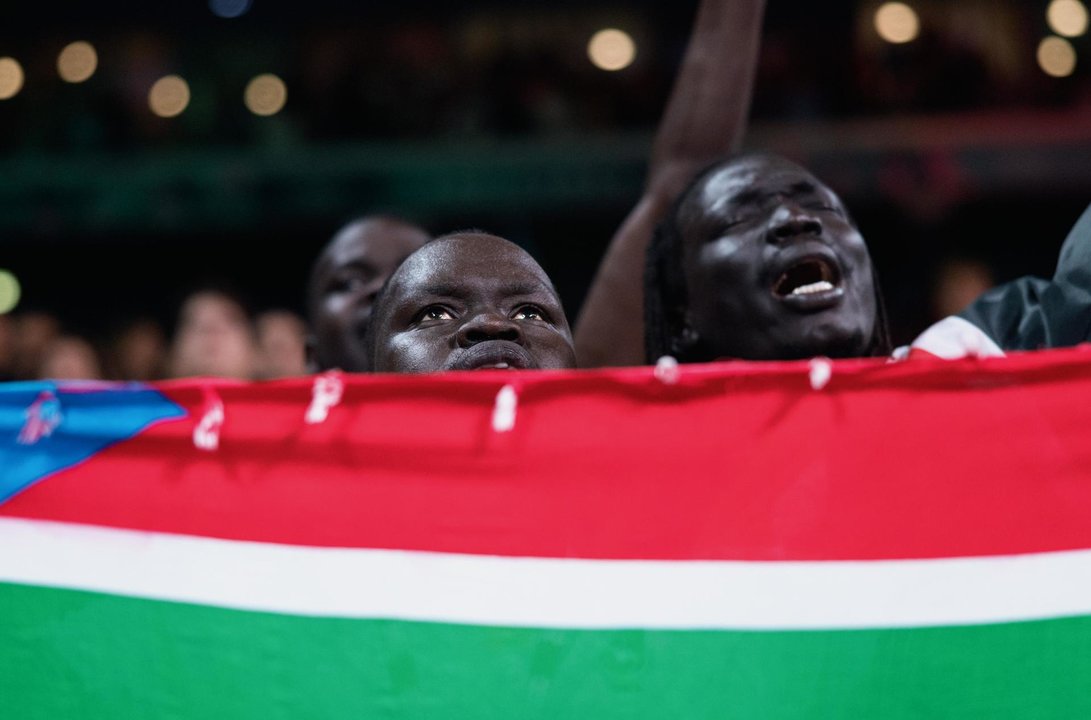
{"points": [[71, 654]]}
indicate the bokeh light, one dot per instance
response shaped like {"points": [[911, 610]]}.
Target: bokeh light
{"points": [[265, 95], [1056, 57], [11, 77], [611, 49], [228, 8], [897, 23], [169, 96], [77, 62], [1067, 17], [10, 292]]}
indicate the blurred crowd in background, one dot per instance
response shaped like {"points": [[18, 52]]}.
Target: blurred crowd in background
{"points": [[215, 336], [150, 149]]}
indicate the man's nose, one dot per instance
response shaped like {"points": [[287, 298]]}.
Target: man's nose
{"points": [[489, 325], [790, 222]]}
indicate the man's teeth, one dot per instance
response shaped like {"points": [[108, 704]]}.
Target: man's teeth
{"points": [[496, 366], [812, 288]]}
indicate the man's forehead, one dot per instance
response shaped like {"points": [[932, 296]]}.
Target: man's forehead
{"points": [[723, 186], [465, 265], [349, 246], [766, 176], [370, 239]]}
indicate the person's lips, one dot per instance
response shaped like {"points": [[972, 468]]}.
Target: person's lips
{"points": [[809, 282], [493, 355]]}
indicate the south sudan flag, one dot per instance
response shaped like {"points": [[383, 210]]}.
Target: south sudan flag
{"points": [[795, 540]]}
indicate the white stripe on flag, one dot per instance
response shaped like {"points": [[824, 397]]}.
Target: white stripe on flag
{"points": [[545, 592]]}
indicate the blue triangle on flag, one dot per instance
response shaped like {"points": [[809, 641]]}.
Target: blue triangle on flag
{"points": [[46, 426]]}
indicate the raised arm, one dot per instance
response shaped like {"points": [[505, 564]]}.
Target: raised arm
{"points": [[704, 120]]}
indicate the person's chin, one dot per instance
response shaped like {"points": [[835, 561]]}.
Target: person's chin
{"points": [[829, 341], [834, 332]]}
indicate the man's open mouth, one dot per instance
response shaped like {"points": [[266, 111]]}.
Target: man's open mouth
{"points": [[812, 283], [807, 277]]}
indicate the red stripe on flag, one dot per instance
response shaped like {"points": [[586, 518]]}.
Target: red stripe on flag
{"points": [[735, 461]]}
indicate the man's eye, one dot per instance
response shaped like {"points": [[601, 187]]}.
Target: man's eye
{"points": [[530, 312], [436, 312], [734, 222]]}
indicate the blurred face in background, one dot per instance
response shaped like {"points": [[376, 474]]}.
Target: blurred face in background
{"points": [[140, 352], [7, 346], [346, 279], [70, 358], [34, 332], [958, 283], [214, 338], [281, 345]]}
